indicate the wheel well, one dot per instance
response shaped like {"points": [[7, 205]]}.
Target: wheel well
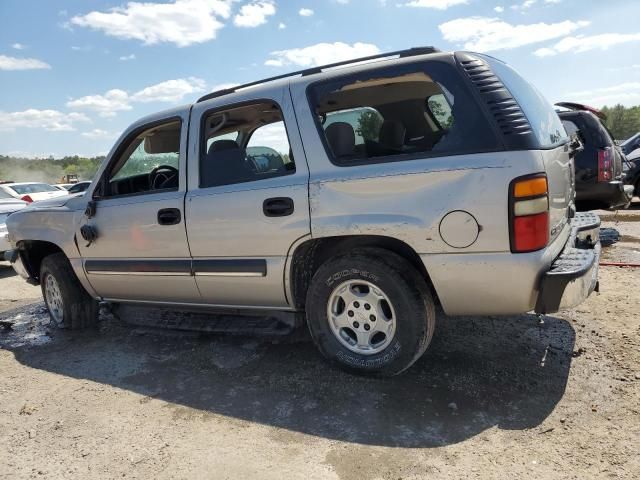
{"points": [[309, 256], [33, 252]]}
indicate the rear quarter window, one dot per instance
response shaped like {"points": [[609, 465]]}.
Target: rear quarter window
{"points": [[541, 115], [408, 111]]}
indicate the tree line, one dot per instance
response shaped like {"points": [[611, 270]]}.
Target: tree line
{"points": [[48, 170], [622, 121]]}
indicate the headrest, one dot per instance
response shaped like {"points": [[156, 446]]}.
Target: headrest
{"points": [[221, 145], [392, 134], [341, 138]]}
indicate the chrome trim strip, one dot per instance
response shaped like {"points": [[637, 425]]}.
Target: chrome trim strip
{"points": [[145, 274], [229, 274], [206, 305]]}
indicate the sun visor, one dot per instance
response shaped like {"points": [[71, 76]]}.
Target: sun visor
{"points": [[162, 142]]}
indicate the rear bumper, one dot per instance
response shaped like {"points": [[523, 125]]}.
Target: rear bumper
{"points": [[574, 274], [614, 194]]}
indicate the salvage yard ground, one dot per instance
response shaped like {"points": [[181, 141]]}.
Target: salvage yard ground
{"points": [[492, 398]]}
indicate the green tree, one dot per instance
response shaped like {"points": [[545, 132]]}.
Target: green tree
{"points": [[369, 124]]}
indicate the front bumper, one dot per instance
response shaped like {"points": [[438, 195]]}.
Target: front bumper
{"points": [[574, 274], [14, 257]]}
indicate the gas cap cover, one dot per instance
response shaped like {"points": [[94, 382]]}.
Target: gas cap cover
{"points": [[459, 229]]}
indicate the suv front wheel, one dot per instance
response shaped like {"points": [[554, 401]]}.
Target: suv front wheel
{"points": [[69, 304], [370, 312]]}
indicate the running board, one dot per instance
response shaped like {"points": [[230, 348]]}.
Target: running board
{"points": [[234, 322]]}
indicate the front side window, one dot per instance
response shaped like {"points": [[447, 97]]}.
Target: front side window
{"points": [[149, 162], [403, 112], [245, 144]]}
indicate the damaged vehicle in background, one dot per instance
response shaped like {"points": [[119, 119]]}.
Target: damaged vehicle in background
{"points": [[353, 198], [8, 205], [599, 174]]}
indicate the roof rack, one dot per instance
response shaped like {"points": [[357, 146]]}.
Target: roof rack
{"points": [[410, 52]]}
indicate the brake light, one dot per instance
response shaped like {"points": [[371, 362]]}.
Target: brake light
{"points": [[529, 212], [26, 198], [605, 164]]}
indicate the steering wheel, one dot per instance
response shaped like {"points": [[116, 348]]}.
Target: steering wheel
{"points": [[161, 176]]}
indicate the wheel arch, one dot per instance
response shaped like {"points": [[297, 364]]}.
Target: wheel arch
{"points": [[311, 254], [33, 252]]}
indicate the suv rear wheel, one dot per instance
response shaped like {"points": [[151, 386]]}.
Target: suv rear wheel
{"points": [[69, 304], [370, 312]]}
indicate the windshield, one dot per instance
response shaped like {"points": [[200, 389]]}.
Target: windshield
{"points": [[33, 188]]}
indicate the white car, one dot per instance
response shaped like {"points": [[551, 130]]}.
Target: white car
{"points": [[32, 191], [8, 205]]}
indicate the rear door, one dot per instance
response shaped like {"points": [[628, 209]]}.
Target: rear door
{"points": [[247, 203]]}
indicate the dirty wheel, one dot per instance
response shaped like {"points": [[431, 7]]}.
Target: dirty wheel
{"points": [[370, 312], [68, 303]]}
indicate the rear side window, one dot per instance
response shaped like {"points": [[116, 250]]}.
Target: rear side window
{"points": [[541, 115], [408, 111]]}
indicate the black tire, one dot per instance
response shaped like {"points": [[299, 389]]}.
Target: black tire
{"points": [[407, 292], [79, 309]]}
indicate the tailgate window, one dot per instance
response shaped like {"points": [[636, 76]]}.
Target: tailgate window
{"points": [[540, 113], [409, 111]]}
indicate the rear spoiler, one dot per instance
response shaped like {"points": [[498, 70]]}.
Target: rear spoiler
{"points": [[580, 106]]}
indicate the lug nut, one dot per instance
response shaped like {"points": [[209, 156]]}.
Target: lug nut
{"points": [[356, 324], [367, 306], [350, 313], [372, 318], [356, 304], [367, 327]]}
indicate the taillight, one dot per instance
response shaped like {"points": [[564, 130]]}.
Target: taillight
{"points": [[26, 198], [529, 213], [605, 164]]}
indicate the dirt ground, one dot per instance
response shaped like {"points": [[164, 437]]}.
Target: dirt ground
{"points": [[492, 397]]}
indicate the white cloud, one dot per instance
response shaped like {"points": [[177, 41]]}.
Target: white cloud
{"points": [[254, 14], [117, 100], [487, 34], [106, 105], [126, 58], [281, 26], [435, 4], [499, 9], [306, 12], [627, 93], [181, 22], [18, 46], [51, 120], [98, 133], [584, 43], [171, 91], [13, 63], [320, 54], [524, 5]]}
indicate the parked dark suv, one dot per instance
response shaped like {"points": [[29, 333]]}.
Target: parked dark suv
{"points": [[599, 173]]}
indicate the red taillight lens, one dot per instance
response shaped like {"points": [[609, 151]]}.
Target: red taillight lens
{"points": [[26, 198], [531, 232], [605, 164], [529, 213]]}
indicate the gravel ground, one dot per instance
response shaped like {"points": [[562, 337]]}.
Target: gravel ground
{"points": [[500, 397]]}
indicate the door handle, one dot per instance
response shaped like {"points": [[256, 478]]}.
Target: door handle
{"points": [[169, 216], [278, 207]]}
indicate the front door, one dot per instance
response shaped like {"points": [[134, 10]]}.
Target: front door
{"points": [[248, 202], [141, 251]]}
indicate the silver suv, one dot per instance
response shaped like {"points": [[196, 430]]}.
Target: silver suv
{"points": [[362, 196]]}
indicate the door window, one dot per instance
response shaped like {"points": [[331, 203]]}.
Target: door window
{"points": [[149, 163], [245, 144]]}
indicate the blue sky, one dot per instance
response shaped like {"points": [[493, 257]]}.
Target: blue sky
{"points": [[75, 73]]}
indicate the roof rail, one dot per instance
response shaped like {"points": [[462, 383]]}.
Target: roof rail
{"points": [[409, 52]]}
